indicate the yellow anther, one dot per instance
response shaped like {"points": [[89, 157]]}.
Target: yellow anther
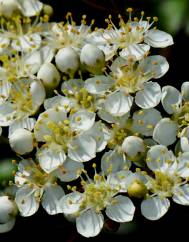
{"points": [[155, 19], [129, 10]]}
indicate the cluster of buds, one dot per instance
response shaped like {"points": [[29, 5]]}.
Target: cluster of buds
{"points": [[74, 94]]}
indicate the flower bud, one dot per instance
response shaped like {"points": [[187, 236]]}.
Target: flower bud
{"points": [[49, 75], [48, 10], [137, 189], [21, 141], [133, 146], [92, 59], [67, 60]]}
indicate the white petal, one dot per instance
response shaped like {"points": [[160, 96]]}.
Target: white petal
{"points": [[100, 133], [82, 120], [183, 164], [185, 91], [21, 141], [69, 171], [157, 65], [112, 119], [114, 161], [158, 39], [150, 96], [82, 148], [71, 202], [26, 201], [51, 199], [184, 143], [137, 50], [171, 99], [159, 158], [51, 157], [121, 209], [118, 103], [6, 227], [89, 223], [154, 208], [37, 92], [27, 42], [26, 123], [145, 120], [181, 195], [72, 86], [6, 114], [30, 8], [165, 132], [6, 209], [98, 84]]}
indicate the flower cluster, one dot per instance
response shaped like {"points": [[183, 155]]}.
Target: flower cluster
{"points": [[80, 108]]}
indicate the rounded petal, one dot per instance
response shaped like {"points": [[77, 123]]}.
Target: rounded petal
{"points": [[118, 103], [21, 141], [25, 123], [158, 39], [165, 132], [181, 195], [82, 120], [159, 158], [154, 208], [114, 162], [137, 50], [82, 148], [71, 202], [145, 120], [185, 91], [38, 94], [171, 99], [50, 158], [156, 65], [6, 209], [100, 133], [150, 96], [26, 201], [89, 223], [51, 199], [183, 164], [30, 8], [69, 171], [72, 86], [98, 84], [121, 209], [6, 227]]}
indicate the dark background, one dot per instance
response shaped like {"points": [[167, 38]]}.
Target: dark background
{"points": [[176, 222]]}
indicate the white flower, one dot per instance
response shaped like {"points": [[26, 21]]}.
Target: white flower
{"points": [[8, 211], [75, 136], [67, 35], [168, 181], [133, 37], [34, 186], [99, 194], [25, 96]]}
